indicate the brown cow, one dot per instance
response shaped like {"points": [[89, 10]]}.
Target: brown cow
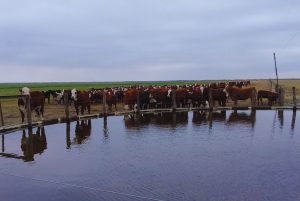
{"points": [[111, 99], [271, 96], [241, 94], [130, 98], [82, 100], [36, 102]]}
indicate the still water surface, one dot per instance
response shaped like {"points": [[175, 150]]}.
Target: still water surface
{"points": [[216, 156]]}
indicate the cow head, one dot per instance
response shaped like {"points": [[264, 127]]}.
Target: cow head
{"points": [[25, 91], [74, 94]]}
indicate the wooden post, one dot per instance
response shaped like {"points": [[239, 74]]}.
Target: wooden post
{"points": [[210, 99], [281, 94], [1, 115], [174, 104], [66, 105], [104, 103], [253, 98], [294, 98], [28, 111], [138, 102]]}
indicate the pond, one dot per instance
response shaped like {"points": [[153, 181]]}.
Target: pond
{"points": [[225, 155]]}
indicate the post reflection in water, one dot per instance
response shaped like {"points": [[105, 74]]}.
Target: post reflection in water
{"points": [[293, 120], [242, 118], [105, 129], [3, 148], [82, 131], [33, 143], [280, 117], [68, 135], [169, 119]]}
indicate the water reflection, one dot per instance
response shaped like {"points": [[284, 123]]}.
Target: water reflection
{"points": [[293, 120], [280, 117], [33, 143], [204, 118], [172, 119], [105, 128], [242, 118], [82, 131]]}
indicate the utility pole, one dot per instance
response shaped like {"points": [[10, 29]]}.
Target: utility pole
{"points": [[276, 72]]}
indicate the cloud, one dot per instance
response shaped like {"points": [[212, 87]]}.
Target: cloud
{"points": [[178, 39]]}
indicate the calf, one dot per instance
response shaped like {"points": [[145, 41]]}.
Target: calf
{"points": [[271, 96]]}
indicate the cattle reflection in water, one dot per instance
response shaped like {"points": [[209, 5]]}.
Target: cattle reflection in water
{"points": [[160, 119], [242, 118], [33, 143], [203, 117], [82, 131]]}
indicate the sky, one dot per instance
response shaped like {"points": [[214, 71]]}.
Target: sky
{"points": [[130, 40]]}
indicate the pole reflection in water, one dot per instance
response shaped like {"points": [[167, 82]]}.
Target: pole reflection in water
{"points": [[68, 135], [293, 120], [105, 129], [280, 117], [242, 118], [82, 131], [33, 143], [3, 148]]}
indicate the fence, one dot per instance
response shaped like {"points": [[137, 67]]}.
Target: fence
{"points": [[10, 115]]}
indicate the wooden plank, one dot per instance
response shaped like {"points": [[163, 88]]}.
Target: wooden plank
{"points": [[12, 97]]}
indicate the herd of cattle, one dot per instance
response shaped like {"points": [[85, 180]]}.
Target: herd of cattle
{"points": [[195, 95]]}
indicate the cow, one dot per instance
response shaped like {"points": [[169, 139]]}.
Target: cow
{"points": [[130, 99], [271, 96], [82, 100], [241, 94], [36, 102], [217, 94], [111, 99]]}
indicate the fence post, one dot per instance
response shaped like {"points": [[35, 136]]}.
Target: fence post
{"points": [[210, 99], [28, 111], [1, 114], [174, 104], [138, 102], [294, 98], [66, 105], [281, 95], [104, 103], [253, 98]]}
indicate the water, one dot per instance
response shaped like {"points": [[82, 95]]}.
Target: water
{"points": [[184, 156]]}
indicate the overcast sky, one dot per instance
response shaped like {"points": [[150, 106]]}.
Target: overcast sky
{"points": [[116, 40]]}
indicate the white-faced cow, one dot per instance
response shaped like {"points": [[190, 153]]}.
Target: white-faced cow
{"points": [[82, 100], [36, 99]]}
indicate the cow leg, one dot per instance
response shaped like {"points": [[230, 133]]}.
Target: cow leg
{"points": [[235, 102], [89, 109], [82, 110], [22, 116]]}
